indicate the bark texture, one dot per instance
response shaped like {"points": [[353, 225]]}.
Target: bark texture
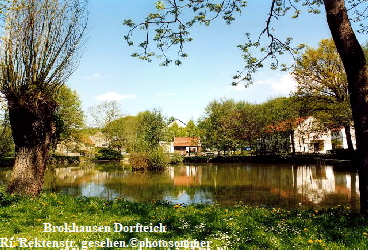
{"points": [[349, 140], [31, 120], [356, 69]]}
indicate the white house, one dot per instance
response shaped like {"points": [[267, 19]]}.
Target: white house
{"points": [[311, 137]]}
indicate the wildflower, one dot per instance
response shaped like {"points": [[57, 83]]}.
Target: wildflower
{"points": [[310, 241], [306, 229], [39, 220], [177, 205], [318, 241], [365, 233]]}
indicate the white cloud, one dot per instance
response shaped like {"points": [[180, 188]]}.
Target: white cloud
{"points": [[284, 85], [113, 96], [239, 87], [94, 76]]}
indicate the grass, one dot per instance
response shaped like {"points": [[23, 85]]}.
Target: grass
{"points": [[238, 227]]}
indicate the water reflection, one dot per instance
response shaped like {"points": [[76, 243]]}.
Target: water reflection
{"points": [[286, 186]]}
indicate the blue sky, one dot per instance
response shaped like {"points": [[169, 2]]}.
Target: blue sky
{"points": [[107, 72]]}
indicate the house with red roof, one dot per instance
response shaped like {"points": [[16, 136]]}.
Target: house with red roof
{"points": [[187, 145]]}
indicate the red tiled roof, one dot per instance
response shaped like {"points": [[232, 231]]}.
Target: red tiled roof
{"points": [[285, 125], [186, 141]]}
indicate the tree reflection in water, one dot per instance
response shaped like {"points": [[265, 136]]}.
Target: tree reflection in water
{"points": [[286, 186]]}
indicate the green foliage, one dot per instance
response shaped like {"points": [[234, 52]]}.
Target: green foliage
{"points": [[170, 31], [69, 118], [154, 159], [140, 135], [170, 22], [175, 130], [139, 160], [322, 88], [122, 132], [151, 129], [229, 125], [6, 141], [157, 159], [108, 154], [190, 130], [176, 158]]}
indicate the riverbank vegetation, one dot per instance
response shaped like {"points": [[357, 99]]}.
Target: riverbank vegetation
{"points": [[238, 227]]}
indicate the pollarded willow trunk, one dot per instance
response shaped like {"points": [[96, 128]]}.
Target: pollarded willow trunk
{"points": [[356, 69], [31, 120]]}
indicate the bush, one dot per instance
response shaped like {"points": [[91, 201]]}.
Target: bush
{"points": [[153, 160], [139, 160], [158, 159], [176, 158], [108, 154]]}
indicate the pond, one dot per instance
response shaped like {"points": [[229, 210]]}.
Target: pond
{"points": [[278, 185]]}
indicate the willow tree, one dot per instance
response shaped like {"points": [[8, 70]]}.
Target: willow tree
{"points": [[173, 19], [41, 47]]}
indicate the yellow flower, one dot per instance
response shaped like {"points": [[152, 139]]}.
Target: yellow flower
{"points": [[305, 229], [177, 205], [365, 233], [310, 241], [38, 219]]}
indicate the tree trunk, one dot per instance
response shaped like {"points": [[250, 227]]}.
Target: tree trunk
{"points": [[356, 69], [348, 139], [31, 120], [292, 137]]}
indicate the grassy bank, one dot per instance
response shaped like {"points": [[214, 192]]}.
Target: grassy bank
{"points": [[239, 227]]}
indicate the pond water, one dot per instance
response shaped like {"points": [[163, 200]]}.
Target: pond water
{"points": [[278, 185]]}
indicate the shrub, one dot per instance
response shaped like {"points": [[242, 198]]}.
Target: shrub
{"points": [[153, 160], [108, 154], [176, 158], [139, 160], [158, 159]]}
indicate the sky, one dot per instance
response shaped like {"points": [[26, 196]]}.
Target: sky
{"points": [[107, 72]]}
